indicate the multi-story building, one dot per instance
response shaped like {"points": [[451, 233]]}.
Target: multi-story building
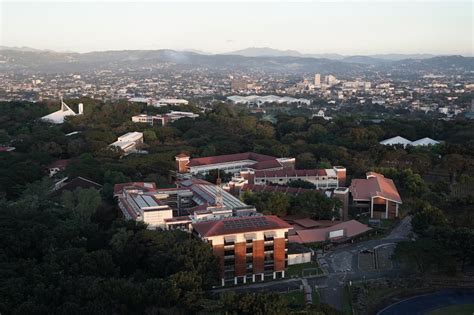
{"points": [[377, 195], [232, 163], [249, 249], [163, 119], [321, 178], [141, 202], [129, 142], [317, 79]]}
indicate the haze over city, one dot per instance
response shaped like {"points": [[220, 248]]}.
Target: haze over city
{"points": [[348, 28]]}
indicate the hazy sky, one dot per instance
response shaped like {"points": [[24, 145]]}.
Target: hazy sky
{"points": [[346, 27]]}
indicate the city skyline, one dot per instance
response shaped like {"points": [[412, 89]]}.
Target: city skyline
{"points": [[349, 28]]}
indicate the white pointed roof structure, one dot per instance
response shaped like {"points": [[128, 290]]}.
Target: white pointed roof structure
{"points": [[424, 142], [58, 116], [396, 140]]}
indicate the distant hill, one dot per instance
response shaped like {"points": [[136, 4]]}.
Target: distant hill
{"points": [[271, 52], [265, 52], [51, 62], [29, 49]]}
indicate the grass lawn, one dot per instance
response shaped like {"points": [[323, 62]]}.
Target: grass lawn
{"points": [[297, 270], [462, 309]]}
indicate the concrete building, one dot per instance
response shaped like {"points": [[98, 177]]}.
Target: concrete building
{"points": [[207, 195], [129, 142], [170, 102], [321, 178], [141, 202], [377, 195], [317, 79], [249, 249]]}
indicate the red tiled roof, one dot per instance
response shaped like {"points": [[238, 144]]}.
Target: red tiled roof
{"points": [[309, 223], [376, 185], [290, 173], [230, 158], [144, 186], [182, 155], [351, 228], [6, 149], [269, 164], [237, 225]]}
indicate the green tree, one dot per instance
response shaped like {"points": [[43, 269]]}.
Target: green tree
{"points": [[422, 254], [82, 203], [315, 205]]}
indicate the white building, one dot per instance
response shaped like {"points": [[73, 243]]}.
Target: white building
{"points": [[164, 119], [58, 116], [170, 101], [321, 178], [259, 100], [129, 142], [143, 204]]}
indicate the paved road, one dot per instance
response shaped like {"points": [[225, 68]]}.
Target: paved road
{"points": [[342, 267], [402, 230]]}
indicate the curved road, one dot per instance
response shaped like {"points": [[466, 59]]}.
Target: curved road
{"points": [[422, 304]]}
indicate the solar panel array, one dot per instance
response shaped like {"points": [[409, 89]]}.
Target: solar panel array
{"points": [[238, 224]]}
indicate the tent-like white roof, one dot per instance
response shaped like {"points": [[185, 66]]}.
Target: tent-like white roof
{"points": [[424, 141], [396, 140]]}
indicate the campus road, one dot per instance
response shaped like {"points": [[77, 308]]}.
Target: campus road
{"points": [[341, 264]]}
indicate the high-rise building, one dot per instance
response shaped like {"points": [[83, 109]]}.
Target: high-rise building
{"points": [[317, 79]]}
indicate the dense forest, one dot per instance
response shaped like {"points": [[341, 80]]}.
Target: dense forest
{"points": [[73, 254]]}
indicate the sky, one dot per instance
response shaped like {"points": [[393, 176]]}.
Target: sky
{"points": [[344, 27]]}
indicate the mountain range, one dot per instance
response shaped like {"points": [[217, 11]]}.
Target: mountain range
{"points": [[271, 52], [26, 59]]}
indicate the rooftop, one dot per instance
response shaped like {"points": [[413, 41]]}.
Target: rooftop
{"points": [[291, 173], [230, 158], [240, 225], [351, 228], [376, 185]]}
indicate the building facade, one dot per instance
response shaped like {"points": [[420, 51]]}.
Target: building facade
{"points": [[231, 163], [129, 142], [141, 202], [376, 195], [249, 249]]}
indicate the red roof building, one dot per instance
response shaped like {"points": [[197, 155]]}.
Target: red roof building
{"points": [[231, 163], [57, 166], [249, 249], [377, 194], [337, 232]]}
